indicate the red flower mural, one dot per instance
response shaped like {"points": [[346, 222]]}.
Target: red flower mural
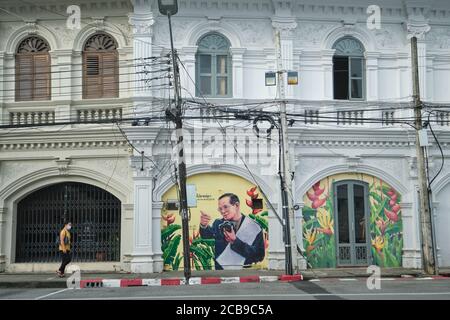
{"points": [[392, 214], [314, 197], [170, 218], [253, 195]]}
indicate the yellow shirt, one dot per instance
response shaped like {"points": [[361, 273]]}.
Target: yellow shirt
{"points": [[64, 233]]}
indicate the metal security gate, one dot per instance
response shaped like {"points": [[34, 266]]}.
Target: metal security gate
{"points": [[95, 216], [351, 219]]}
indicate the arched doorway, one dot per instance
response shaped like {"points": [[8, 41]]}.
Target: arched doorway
{"points": [[94, 213], [204, 191], [352, 219]]}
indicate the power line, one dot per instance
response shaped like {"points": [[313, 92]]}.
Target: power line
{"points": [[165, 76], [237, 153], [137, 62]]}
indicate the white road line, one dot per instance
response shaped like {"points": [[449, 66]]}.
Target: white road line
{"points": [[346, 279], [252, 296], [51, 294], [427, 278], [314, 280]]}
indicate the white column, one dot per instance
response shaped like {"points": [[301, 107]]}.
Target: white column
{"points": [[422, 54], [2, 81], [158, 262], [276, 246], [372, 75], [430, 79], [142, 255], [62, 83], [2, 239], [142, 22], [411, 257], [8, 77], [327, 66], [61, 76], [418, 27], [271, 65], [286, 26], [237, 55], [188, 81], [404, 87]]}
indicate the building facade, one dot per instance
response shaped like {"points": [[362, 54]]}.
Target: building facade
{"points": [[84, 135]]}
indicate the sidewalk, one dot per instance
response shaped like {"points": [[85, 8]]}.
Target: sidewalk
{"points": [[46, 280]]}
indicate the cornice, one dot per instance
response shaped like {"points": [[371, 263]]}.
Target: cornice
{"points": [[47, 7], [68, 139], [31, 146]]}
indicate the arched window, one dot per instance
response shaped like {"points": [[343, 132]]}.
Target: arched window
{"points": [[100, 67], [213, 65], [349, 70], [33, 70]]}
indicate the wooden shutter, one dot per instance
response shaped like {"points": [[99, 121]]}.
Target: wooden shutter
{"points": [[110, 76], [42, 77], [24, 77], [92, 86]]}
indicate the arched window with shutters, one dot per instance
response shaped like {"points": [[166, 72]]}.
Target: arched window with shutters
{"points": [[100, 67], [33, 72], [213, 64], [349, 69]]}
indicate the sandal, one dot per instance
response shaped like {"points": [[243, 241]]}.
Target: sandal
{"points": [[61, 275]]}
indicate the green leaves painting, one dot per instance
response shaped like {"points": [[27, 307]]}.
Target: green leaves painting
{"points": [[386, 228], [385, 223]]}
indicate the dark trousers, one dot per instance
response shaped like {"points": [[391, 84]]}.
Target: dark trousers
{"points": [[66, 258]]}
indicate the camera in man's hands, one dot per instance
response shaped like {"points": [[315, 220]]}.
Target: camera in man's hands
{"points": [[226, 226]]}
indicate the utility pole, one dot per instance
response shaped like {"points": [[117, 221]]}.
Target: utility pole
{"points": [[291, 261], [428, 258], [168, 8]]}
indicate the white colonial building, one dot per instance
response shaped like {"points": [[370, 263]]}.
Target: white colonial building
{"points": [[352, 151]]}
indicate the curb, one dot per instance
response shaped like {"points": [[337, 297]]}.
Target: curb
{"points": [[124, 283]]}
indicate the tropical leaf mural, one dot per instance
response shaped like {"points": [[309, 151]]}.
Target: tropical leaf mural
{"points": [[385, 225]]}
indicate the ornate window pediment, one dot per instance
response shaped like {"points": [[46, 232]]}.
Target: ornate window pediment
{"points": [[214, 66], [33, 45], [33, 70], [100, 42], [349, 46], [213, 42], [100, 67]]}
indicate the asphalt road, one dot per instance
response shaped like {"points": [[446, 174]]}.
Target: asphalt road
{"points": [[325, 289]]}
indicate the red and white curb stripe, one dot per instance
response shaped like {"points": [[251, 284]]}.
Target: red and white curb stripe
{"points": [[121, 283], [402, 278]]}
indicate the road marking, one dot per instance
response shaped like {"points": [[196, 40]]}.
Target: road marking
{"points": [[346, 279], [427, 278], [252, 296], [113, 283], [387, 279], [51, 294], [314, 280], [268, 278]]}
